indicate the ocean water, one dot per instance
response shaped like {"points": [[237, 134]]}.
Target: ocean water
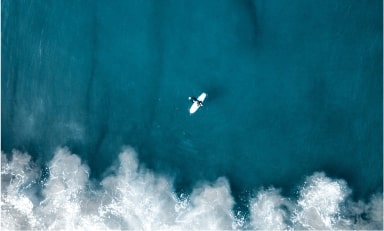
{"points": [[95, 128]]}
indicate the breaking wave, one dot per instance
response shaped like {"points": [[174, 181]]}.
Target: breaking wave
{"points": [[132, 197]]}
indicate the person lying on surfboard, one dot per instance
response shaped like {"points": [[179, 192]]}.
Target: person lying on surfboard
{"points": [[194, 100], [197, 103]]}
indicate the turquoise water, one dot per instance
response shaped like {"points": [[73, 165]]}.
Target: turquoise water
{"points": [[294, 88]]}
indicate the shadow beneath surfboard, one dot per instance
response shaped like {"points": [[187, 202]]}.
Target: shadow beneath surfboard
{"points": [[215, 92]]}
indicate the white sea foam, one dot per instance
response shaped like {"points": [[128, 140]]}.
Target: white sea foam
{"points": [[132, 197], [269, 210]]}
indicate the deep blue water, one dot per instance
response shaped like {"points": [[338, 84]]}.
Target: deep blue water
{"points": [[294, 87]]}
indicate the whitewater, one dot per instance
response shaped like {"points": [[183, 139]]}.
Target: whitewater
{"points": [[96, 132], [132, 197]]}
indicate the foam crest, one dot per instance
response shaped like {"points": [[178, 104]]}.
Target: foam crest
{"points": [[269, 210], [132, 197], [137, 199], [323, 204], [211, 208], [17, 176], [319, 202], [64, 191]]}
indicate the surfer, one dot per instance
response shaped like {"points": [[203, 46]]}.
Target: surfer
{"points": [[196, 103], [194, 100]]}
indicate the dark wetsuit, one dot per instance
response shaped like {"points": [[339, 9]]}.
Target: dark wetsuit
{"points": [[193, 99]]}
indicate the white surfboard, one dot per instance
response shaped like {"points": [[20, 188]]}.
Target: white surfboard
{"points": [[196, 105]]}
